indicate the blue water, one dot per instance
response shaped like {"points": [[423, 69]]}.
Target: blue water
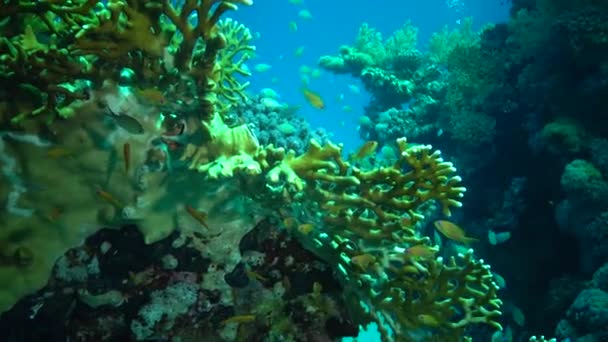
{"points": [[335, 23]]}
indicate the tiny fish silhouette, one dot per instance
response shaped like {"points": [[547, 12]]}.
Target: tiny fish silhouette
{"points": [[126, 152], [200, 216], [106, 196], [126, 122]]}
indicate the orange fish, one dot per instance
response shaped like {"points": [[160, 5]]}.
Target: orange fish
{"points": [[289, 222], [58, 152], [410, 269], [317, 288], [151, 95], [335, 209], [144, 277], [367, 149], [255, 275], [200, 216], [314, 99], [306, 228], [54, 213], [428, 320], [109, 198], [363, 260], [238, 319], [422, 251], [286, 283], [126, 153], [453, 232]]}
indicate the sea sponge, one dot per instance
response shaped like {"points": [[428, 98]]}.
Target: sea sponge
{"points": [[472, 128], [563, 135], [581, 179]]}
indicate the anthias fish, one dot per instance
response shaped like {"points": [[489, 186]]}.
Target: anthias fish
{"points": [[126, 122], [453, 232], [314, 99]]}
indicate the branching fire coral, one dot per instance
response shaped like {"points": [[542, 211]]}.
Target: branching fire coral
{"points": [[93, 42], [365, 222]]}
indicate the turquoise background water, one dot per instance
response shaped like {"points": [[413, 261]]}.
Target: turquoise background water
{"points": [[335, 23]]}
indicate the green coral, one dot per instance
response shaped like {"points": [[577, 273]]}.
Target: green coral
{"points": [[442, 43], [91, 41], [391, 69], [371, 50], [475, 75], [370, 42], [439, 301], [388, 84], [350, 60], [231, 61]]}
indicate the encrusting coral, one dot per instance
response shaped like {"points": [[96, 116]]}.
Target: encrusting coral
{"points": [[116, 159], [130, 155]]}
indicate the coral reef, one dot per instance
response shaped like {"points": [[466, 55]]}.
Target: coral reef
{"points": [[392, 69], [138, 132], [586, 315], [540, 78], [430, 96]]}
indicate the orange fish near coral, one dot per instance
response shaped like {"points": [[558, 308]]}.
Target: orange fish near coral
{"points": [[58, 152], [238, 319], [151, 95], [126, 153], [109, 198], [421, 251], [367, 149], [317, 288], [335, 209], [428, 320], [363, 260], [200, 216], [289, 222], [142, 278], [54, 213], [314, 99], [255, 275], [453, 232], [306, 228]]}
